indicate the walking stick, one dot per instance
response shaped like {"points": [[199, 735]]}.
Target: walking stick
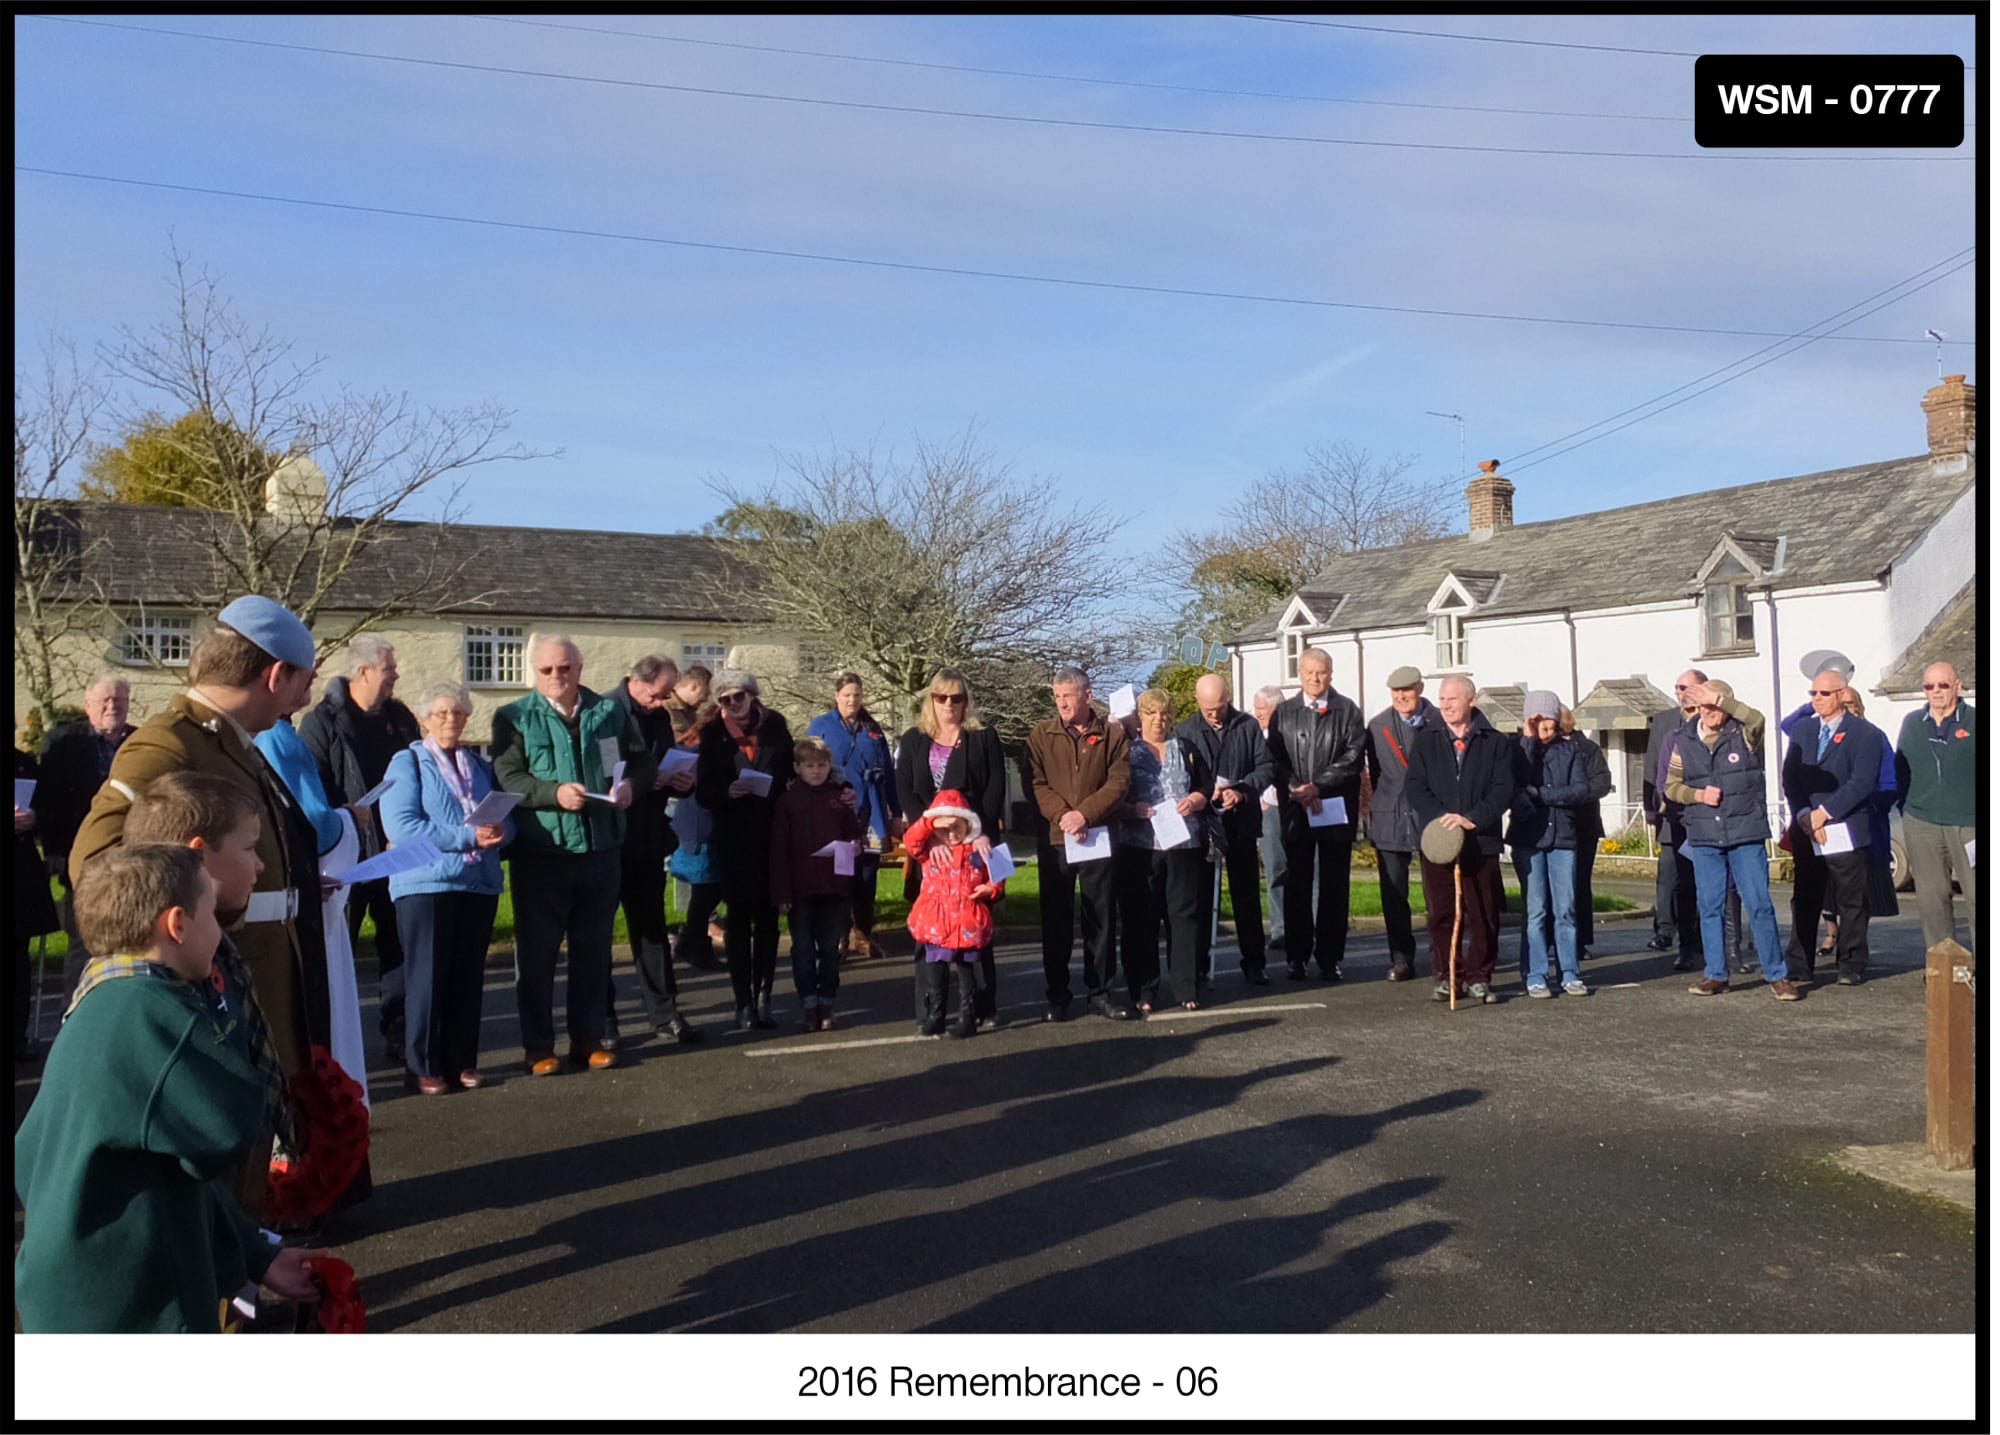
{"points": [[41, 985], [1457, 916]]}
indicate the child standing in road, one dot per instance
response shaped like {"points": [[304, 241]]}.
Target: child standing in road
{"points": [[812, 814], [952, 919]]}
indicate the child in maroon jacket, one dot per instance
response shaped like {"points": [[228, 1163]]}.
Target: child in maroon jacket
{"points": [[952, 919], [811, 814]]}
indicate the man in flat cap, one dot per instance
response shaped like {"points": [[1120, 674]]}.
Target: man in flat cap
{"points": [[253, 665], [1392, 822]]}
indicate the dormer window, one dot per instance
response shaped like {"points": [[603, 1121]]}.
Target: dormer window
{"points": [[1736, 563], [1448, 632], [1300, 619], [1459, 595]]}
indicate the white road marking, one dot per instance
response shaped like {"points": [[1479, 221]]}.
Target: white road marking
{"points": [[802, 1049]]}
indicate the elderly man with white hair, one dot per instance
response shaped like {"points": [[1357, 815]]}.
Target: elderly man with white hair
{"points": [[75, 760], [1831, 774], [355, 729], [1317, 742], [1270, 840], [576, 758], [1231, 743], [1937, 786]]}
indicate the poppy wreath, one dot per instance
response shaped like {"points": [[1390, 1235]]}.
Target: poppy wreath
{"points": [[340, 1309], [336, 1123]]}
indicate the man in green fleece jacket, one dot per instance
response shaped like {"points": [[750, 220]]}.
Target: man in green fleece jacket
{"points": [[1937, 786], [149, 1099]]}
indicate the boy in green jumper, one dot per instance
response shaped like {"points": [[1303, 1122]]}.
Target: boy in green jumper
{"points": [[151, 1094]]}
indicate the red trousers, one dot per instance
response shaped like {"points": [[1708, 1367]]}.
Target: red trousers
{"points": [[1481, 900]]}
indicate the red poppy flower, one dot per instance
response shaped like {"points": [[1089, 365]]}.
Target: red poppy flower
{"points": [[1091, 740], [1840, 737], [1961, 733]]}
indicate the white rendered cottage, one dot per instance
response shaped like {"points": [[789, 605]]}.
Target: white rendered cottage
{"points": [[1875, 561]]}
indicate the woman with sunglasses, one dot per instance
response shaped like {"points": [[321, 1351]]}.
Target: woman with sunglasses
{"points": [[745, 737], [951, 750]]}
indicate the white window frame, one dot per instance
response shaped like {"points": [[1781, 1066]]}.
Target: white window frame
{"points": [[1740, 614], [1448, 639], [709, 654], [163, 640], [500, 641], [1295, 647]]}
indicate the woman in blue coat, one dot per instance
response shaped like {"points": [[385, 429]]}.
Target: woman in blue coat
{"points": [[444, 912], [861, 759]]}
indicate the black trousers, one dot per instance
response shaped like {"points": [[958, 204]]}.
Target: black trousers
{"points": [[1173, 889], [1675, 917], [752, 944], [556, 897], [861, 893], [1322, 937], [1394, 868], [1246, 900], [372, 899], [444, 936], [1586, 858], [1843, 878], [1060, 884], [642, 892]]}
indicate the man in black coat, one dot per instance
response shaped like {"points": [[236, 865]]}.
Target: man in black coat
{"points": [[1317, 740], [75, 761], [1392, 822], [1832, 770], [1229, 741], [649, 841], [1674, 918], [357, 726], [1462, 774]]}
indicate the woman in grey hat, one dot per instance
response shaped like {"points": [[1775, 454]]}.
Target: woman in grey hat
{"points": [[1551, 786]]}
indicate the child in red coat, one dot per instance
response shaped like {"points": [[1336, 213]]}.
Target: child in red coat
{"points": [[952, 919]]}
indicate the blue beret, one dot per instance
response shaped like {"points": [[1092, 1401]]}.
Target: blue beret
{"points": [[273, 627]]}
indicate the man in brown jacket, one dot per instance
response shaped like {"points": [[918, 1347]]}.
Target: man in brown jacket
{"points": [[1080, 772]]}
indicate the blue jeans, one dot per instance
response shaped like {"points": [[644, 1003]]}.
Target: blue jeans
{"points": [[1713, 869], [1550, 888]]}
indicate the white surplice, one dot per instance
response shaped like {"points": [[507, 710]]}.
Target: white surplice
{"points": [[342, 990]]}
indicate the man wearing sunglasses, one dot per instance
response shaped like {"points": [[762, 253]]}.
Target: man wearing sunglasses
{"points": [[1832, 771], [1938, 789]]}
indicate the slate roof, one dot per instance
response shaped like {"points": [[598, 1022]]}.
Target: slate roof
{"points": [[142, 553], [1627, 703], [1952, 637], [1842, 525], [1505, 705]]}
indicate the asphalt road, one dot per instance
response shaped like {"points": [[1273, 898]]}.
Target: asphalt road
{"points": [[1295, 1158]]}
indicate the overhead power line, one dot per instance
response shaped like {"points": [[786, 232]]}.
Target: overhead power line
{"points": [[1078, 79], [944, 269], [1711, 156], [1805, 338]]}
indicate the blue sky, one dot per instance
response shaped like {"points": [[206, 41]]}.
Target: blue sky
{"points": [[654, 368]]}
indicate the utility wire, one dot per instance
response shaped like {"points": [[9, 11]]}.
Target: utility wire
{"points": [[1076, 79], [1813, 339], [951, 270], [996, 116]]}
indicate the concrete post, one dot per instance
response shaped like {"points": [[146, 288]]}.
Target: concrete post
{"points": [[1950, 994]]}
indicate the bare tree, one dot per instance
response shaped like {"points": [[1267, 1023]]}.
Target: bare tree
{"points": [[338, 502], [895, 568], [56, 610], [1279, 533]]}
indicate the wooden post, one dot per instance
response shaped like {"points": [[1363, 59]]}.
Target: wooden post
{"points": [[1949, 998]]}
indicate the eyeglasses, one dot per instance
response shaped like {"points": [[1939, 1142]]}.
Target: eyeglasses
{"points": [[558, 668], [1825, 692], [733, 698], [947, 697], [1939, 687]]}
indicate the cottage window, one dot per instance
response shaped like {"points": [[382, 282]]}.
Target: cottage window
{"points": [[1448, 631], [709, 655], [150, 638], [1728, 625], [494, 656], [1295, 645]]}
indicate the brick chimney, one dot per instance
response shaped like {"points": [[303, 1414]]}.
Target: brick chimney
{"points": [[1951, 411], [1492, 500]]}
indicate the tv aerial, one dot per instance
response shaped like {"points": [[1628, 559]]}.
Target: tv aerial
{"points": [[1938, 336], [1461, 436]]}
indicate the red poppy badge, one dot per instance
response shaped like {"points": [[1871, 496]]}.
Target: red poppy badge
{"points": [[1840, 737], [1961, 733]]}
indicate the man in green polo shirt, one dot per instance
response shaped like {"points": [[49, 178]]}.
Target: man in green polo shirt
{"points": [[1938, 789]]}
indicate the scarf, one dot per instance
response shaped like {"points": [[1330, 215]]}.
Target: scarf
{"points": [[745, 731], [458, 777]]}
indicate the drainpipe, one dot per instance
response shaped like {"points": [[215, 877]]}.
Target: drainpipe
{"points": [[1360, 674], [1774, 739], [1575, 688]]}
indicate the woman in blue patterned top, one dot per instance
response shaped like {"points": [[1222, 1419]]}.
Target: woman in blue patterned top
{"points": [[1163, 836]]}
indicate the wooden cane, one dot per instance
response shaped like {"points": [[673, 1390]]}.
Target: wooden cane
{"points": [[1457, 916]]}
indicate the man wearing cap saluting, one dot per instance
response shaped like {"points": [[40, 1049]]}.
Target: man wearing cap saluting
{"points": [[1392, 822], [252, 666]]}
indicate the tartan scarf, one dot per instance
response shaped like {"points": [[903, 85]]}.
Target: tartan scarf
{"points": [[230, 968]]}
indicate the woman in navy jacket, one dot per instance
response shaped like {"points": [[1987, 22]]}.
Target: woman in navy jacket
{"points": [[444, 912]]}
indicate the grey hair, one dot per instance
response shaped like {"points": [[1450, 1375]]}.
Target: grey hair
{"points": [[1271, 693], [649, 668], [1471, 688], [459, 693], [734, 680], [1321, 653], [365, 650], [107, 678], [539, 641], [1070, 676]]}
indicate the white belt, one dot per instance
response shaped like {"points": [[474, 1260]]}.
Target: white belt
{"points": [[280, 906]]}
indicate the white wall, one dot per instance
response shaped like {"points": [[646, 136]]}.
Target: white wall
{"points": [[1929, 576]]}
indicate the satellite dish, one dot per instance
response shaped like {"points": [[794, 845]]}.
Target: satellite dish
{"points": [[1192, 650]]}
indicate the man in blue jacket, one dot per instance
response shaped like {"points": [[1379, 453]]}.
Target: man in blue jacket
{"points": [[1832, 770], [861, 759]]}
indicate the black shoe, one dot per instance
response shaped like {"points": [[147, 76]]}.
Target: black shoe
{"points": [[1848, 979], [1657, 943], [677, 1028], [1056, 1013], [1296, 971], [1401, 971], [1255, 976], [1685, 963], [1330, 974], [1109, 1008]]}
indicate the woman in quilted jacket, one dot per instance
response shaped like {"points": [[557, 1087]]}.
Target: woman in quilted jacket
{"points": [[952, 919]]}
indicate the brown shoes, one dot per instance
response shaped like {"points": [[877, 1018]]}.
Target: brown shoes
{"points": [[603, 1057], [543, 1063], [430, 1085], [1784, 991], [470, 1079], [1708, 987]]}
